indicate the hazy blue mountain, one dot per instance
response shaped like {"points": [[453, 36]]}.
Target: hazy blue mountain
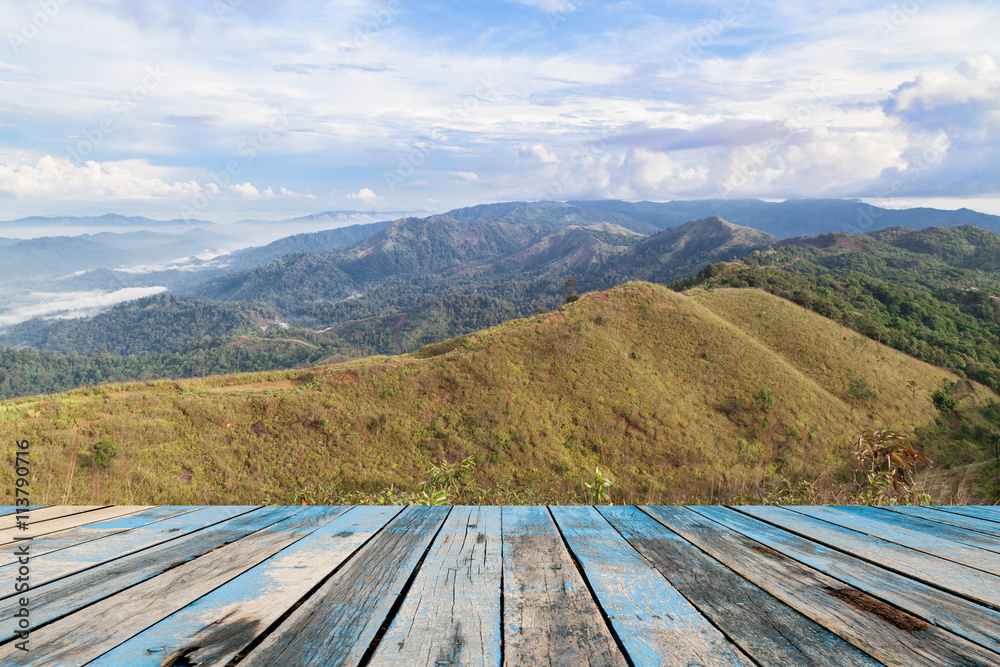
{"points": [[550, 213], [106, 220], [794, 217]]}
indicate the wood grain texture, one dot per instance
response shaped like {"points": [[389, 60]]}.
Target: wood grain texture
{"points": [[971, 541], [766, 629], [959, 520], [887, 634], [39, 515], [956, 614], [336, 625], [898, 530], [64, 562], [217, 627], [72, 597], [81, 637], [950, 576], [38, 527], [550, 617], [74, 536], [655, 623], [451, 614], [984, 512]]}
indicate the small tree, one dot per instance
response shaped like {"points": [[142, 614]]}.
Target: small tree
{"points": [[571, 294], [861, 391]]}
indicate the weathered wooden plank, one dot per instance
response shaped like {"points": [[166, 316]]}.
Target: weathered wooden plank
{"points": [[76, 536], [984, 512], [948, 575], [8, 510], [967, 538], [73, 593], [766, 629], [336, 625], [52, 566], [887, 634], [38, 515], [451, 614], [54, 525], [958, 520], [215, 628], [81, 637], [895, 532], [961, 616], [550, 618], [654, 622]]}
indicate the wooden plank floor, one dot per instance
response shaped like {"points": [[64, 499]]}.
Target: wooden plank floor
{"points": [[173, 586]]}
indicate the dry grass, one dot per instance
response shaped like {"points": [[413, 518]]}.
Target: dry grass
{"points": [[659, 389]]}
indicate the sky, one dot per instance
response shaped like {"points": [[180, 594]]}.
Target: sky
{"points": [[268, 109]]}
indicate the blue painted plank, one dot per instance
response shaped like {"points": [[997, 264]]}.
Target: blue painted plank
{"points": [[62, 563], [12, 509], [215, 628], [766, 629], [46, 513], [75, 536], [948, 575], [950, 518], [85, 635], [336, 625], [655, 623], [889, 635], [967, 538], [451, 614], [893, 531], [984, 512], [956, 614], [550, 618], [72, 593]]}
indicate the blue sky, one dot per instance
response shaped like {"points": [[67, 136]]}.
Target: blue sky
{"points": [[226, 109]]}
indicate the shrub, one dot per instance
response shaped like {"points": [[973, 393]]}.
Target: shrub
{"points": [[105, 453]]}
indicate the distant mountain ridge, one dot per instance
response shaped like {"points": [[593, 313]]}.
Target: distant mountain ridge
{"points": [[794, 217]]}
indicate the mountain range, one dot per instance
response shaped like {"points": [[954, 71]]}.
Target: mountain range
{"points": [[759, 361], [679, 397]]}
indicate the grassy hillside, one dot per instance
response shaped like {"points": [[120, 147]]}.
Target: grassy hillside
{"points": [[933, 293], [677, 397]]}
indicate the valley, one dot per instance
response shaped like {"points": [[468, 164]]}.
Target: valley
{"points": [[418, 343]]}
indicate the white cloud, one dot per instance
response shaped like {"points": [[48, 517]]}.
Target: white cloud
{"points": [[536, 154], [52, 177], [75, 304], [364, 194], [467, 176]]}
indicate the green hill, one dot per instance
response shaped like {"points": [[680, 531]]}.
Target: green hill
{"points": [[933, 293], [681, 251], [677, 397]]}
